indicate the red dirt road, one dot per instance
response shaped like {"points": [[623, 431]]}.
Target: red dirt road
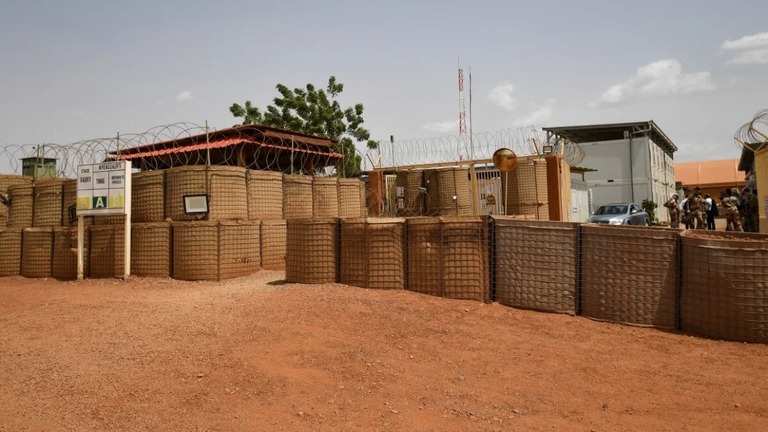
{"points": [[253, 354]]}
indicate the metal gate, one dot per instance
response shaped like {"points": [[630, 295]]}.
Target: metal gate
{"points": [[490, 199]]}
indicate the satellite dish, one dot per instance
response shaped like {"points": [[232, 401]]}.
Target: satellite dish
{"points": [[504, 159]]}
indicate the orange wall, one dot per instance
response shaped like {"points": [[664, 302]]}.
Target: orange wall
{"points": [[761, 170]]}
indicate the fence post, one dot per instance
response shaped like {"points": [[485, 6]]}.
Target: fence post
{"points": [[579, 255]]}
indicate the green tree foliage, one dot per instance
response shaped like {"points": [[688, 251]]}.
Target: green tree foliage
{"points": [[317, 112], [650, 208]]}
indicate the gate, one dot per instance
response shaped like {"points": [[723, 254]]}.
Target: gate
{"points": [[490, 199]]}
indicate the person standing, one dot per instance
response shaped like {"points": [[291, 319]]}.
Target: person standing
{"points": [[746, 210], [674, 211], [753, 209], [684, 215], [732, 216], [712, 212], [693, 208]]}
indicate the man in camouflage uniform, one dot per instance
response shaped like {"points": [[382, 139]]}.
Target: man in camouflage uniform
{"points": [[746, 213], [731, 206], [752, 209], [685, 217], [693, 207], [674, 211]]}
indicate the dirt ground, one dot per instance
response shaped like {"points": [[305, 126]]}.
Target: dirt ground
{"points": [[255, 354]]}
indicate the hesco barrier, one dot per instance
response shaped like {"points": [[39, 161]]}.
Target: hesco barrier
{"points": [[526, 189], [10, 252], [215, 250], [265, 195], [424, 254], [36, 252], [536, 264], [312, 253], [453, 193], [240, 248], [107, 251], [22, 205], [225, 187], [48, 203], [448, 257], [273, 244], [724, 292], [297, 196], [629, 275], [64, 265], [5, 182], [325, 197], [109, 220], [432, 200], [350, 204], [148, 197], [409, 196], [196, 250], [372, 253], [151, 249], [465, 258], [363, 201], [69, 201]]}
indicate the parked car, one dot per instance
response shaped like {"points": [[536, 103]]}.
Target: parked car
{"points": [[620, 214]]}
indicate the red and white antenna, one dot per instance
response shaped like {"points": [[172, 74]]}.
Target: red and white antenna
{"points": [[462, 105], [465, 139]]}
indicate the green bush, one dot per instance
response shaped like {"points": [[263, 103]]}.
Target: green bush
{"points": [[650, 208]]}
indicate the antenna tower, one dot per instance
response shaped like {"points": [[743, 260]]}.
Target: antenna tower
{"points": [[463, 136]]}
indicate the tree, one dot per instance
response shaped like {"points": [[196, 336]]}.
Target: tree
{"points": [[316, 112]]}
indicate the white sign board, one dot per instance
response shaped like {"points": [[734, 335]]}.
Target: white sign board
{"points": [[101, 188], [104, 189]]}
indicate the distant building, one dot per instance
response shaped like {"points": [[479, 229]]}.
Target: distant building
{"points": [[631, 161], [711, 176]]}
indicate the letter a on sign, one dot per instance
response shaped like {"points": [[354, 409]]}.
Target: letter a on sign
{"points": [[99, 202]]}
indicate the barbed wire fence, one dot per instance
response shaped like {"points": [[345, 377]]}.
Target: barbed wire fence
{"points": [[256, 147], [753, 135], [478, 146]]}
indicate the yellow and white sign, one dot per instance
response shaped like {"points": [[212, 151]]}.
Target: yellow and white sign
{"points": [[101, 188]]}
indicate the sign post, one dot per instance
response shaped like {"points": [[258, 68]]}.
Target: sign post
{"points": [[104, 189]]}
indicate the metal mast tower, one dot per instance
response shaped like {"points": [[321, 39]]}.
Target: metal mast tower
{"points": [[463, 136]]}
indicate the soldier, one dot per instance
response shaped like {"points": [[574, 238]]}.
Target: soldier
{"points": [[685, 217], [731, 206], [674, 211], [693, 207], [746, 211], [753, 209]]}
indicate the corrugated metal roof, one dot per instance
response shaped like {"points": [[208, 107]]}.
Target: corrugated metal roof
{"points": [[218, 144], [709, 173]]}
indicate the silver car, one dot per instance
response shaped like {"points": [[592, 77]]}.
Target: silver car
{"points": [[620, 214]]}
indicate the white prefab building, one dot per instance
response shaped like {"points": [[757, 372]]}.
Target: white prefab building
{"points": [[631, 162]]}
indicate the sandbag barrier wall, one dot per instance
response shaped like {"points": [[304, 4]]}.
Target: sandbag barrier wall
{"points": [[652, 277], [234, 193], [546, 280], [724, 285], [240, 248], [630, 275]]}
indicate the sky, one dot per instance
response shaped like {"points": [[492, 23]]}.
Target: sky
{"points": [[75, 70]]}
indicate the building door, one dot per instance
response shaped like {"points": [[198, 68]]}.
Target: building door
{"points": [[579, 202]]}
